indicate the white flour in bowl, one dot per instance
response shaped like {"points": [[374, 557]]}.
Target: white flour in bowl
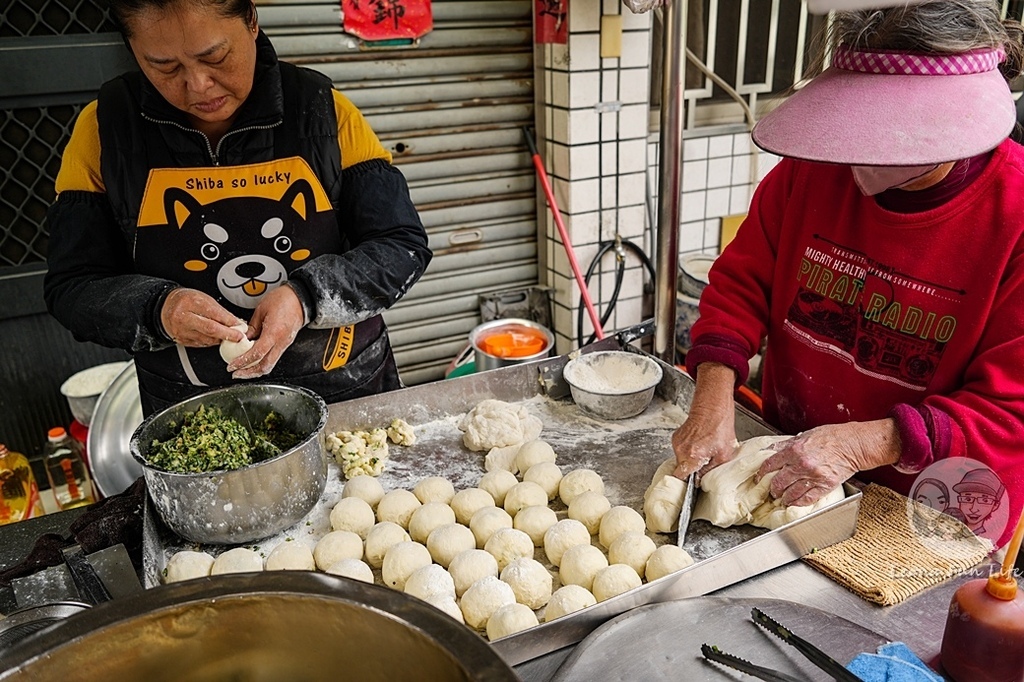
{"points": [[612, 373]]}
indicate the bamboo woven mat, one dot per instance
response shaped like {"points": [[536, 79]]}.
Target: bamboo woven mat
{"points": [[900, 547]]}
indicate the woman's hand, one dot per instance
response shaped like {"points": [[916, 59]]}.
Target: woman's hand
{"points": [[708, 436], [274, 324], [819, 460], [196, 320]]}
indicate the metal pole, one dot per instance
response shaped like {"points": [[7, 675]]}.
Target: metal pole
{"points": [[670, 179]]}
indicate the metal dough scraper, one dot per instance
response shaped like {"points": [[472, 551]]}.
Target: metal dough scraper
{"points": [[686, 510]]}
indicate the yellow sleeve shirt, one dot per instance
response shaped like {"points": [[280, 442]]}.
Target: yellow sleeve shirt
{"points": [[80, 164]]}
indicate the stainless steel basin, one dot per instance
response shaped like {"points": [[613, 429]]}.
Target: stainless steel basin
{"points": [[295, 626]]}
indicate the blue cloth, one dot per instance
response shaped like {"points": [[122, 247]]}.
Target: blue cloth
{"points": [[894, 662]]}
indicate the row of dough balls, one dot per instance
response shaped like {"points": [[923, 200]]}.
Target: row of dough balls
{"points": [[510, 532]]}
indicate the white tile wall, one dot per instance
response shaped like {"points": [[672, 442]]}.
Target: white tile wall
{"points": [[692, 206], [633, 86], [585, 15], [609, 159], [636, 49], [720, 172], [584, 161], [585, 90], [584, 196], [584, 51], [582, 126], [632, 156]]}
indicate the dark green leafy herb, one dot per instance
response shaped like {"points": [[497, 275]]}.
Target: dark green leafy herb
{"points": [[208, 440]]}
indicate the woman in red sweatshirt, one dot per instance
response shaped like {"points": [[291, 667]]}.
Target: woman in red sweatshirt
{"points": [[883, 259]]}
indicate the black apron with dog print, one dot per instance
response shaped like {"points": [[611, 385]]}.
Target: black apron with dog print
{"points": [[236, 231]]}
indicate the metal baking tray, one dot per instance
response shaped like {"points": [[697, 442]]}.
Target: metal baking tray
{"points": [[625, 453]]}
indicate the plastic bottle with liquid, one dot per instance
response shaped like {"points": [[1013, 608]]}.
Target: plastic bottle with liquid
{"points": [[984, 636], [19, 492], [65, 467]]}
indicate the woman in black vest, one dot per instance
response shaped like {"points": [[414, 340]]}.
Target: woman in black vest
{"points": [[219, 195]]}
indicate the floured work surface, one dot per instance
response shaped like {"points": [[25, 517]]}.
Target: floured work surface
{"points": [[625, 453]]}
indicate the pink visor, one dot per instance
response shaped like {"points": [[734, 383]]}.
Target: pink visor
{"points": [[894, 109]]}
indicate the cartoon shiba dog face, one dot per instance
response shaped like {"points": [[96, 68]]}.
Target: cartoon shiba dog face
{"points": [[243, 244]]}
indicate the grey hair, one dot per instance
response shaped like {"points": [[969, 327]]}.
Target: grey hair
{"points": [[932, 27]]}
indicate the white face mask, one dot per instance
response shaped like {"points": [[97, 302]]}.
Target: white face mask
{"points": [[875, 179]]}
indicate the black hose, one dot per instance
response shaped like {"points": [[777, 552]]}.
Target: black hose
{"points": [[620, 269]]}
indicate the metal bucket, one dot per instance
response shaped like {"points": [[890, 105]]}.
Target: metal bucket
{"points": [[287, 625], [484, 360], [256, 501]]}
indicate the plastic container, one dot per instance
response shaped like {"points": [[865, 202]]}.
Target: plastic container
{"points": [[19, 492], [65, 467], [984, 636]]}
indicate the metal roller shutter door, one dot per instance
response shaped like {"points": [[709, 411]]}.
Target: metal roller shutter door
{"points": [[451, 112]]}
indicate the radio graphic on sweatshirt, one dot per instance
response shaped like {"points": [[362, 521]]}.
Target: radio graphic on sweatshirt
{"points": [[885, 323]]}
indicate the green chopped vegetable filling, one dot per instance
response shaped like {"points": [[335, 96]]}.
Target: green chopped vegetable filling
{"points": [[208, 440]]}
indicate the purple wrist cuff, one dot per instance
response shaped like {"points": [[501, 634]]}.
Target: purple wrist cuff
{"points": [[925, 434], [721, 349]]}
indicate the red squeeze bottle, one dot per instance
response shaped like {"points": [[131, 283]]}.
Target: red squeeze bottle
{"points": [[984, 637]]}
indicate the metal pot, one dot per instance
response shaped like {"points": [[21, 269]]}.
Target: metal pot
{"points": [[257, 501], [484, 360], [287, 625]]}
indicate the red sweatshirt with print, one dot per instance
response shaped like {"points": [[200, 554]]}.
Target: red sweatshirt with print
{"points": [[871, 313]]}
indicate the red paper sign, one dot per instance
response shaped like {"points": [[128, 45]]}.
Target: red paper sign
{"points": [[374, 20], [552, 21]]}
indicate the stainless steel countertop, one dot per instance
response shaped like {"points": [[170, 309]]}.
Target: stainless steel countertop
{"points": [[918, 621]]}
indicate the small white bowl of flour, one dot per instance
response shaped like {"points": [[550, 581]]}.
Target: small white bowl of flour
{"points": [[612, 384], [82, 389]]}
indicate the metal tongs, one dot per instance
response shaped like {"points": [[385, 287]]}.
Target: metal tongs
{"points": [[808, 650]]}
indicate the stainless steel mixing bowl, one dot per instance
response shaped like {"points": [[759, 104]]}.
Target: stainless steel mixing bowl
{"points": [[612, 384], [257, 501], [285, 625]]}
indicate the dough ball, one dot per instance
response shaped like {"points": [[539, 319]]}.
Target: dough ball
{"points": [[353, 514], [434, 489], [589, 508], [447, 541], [498, 483], [428, 517], [577, 482], [237, 560], [486, 522], [535, 521], [483, 598], [663, 502], [380, 539], [534, 452], [617, 521], [366, 488], [566, 600], [509, 544], [547, 475], [580, 564], [510, 619], [471, 566], [446, 605], [229, 350], [352, 568], [633, 549], [400, 562], [430, 581], [492, 423], [523, 495], [397, 506], [665, 560], [502, 459], [467, 502], [530, 581], [563, 535], [188, 565], [291, 556], [614, 580], [335, 546]]}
